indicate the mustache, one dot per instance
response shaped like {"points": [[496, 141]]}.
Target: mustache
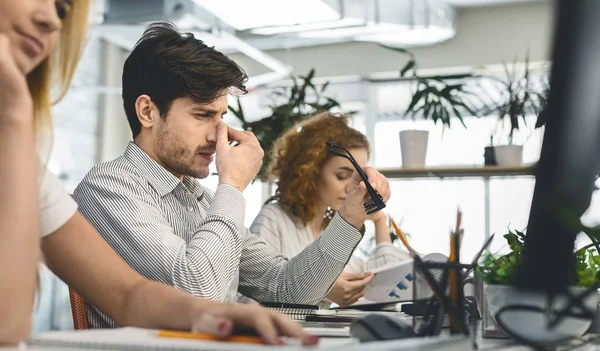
{"points": [[206, 150]]}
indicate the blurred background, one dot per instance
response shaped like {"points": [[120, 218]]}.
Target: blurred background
{"points": [[382, 60]]}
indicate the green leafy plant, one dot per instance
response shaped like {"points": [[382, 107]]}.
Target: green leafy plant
{"points": [[518, 97], [439, 98], [501, 270], [294, 104]]}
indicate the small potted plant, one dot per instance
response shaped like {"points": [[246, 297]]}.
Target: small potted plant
{"points": [[438, 98], [495, 274], [291, 105], [518, 98]]}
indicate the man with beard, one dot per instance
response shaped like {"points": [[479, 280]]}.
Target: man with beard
{"points": [[149, 206]]}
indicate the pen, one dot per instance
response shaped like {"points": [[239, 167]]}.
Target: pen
{"points": [[203, 336]]}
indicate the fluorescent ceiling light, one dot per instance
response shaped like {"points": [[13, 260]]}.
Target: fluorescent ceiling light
{"points": [[246, 14], [353, 31], [411, 37], [398, 35], [313, 26]]}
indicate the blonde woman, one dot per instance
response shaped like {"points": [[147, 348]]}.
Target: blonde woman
{"points": [[39, 38]]}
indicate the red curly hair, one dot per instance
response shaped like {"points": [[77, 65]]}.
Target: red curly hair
{"points": [[298, 156]]}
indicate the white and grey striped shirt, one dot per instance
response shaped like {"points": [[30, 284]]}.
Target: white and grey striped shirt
{"points": [[178, 233], [289, 236]]}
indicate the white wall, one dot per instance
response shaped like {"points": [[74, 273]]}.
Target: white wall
{"points": [[114, 132], [485, 35]]}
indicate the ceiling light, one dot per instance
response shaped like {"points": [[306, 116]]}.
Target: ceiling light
{"points": [[313, 26], [390, 22], [245, 14]]}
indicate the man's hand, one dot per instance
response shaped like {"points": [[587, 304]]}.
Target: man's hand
{"points": [[220, 319], [353, 210], [349, 287], [237, 165], [15, 101]]}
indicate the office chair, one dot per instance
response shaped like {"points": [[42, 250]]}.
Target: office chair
{"points": [[78, 310]]}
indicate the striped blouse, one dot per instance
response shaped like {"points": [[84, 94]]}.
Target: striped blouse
{"points": [[178, 233], [286, 234]]}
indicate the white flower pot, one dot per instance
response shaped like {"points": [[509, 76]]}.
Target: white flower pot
{"points": [[509, 155], [534, 325], [413, 147]]}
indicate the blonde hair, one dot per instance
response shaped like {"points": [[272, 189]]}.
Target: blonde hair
{"points": [[57, 70]]}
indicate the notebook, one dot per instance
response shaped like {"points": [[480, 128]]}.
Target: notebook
{"points": [[138, 339], [297, 312]]}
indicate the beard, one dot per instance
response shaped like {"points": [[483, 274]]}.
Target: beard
{"points": [[174, 154]]}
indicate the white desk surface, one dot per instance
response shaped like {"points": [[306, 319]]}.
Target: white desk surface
{"points": [[339, 343]]}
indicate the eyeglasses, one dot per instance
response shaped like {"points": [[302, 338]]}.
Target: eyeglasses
{"points": [[375, 203]]}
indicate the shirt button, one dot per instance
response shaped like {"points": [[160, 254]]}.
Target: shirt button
{"points": [[190, 208]]}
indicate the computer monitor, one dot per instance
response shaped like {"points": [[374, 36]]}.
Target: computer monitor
{"points": [[570, 153]]}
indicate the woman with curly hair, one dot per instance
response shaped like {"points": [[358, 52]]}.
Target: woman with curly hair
{"points": [[311, 186]]}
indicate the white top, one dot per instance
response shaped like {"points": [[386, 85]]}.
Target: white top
{"points": [[56, 205], [284, 232]]}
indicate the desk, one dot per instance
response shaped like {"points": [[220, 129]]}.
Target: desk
{"points": [[442, 172], [486, 345], [143, 339]]}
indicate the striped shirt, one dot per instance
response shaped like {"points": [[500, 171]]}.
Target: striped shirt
{"points": [[178, 233], [289, 236]]}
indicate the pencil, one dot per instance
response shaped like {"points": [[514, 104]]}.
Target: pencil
{"points": [[209, 337], [402, 237]]}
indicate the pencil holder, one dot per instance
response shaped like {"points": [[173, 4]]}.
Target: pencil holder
{"points": [[443, 312]]}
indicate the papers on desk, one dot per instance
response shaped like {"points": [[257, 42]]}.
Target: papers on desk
{"points": [[395, 282], [145, 339], [134, 339]]}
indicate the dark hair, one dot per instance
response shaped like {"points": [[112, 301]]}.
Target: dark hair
{"points": [[166, 64]]}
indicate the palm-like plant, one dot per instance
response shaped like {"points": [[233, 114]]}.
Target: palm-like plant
{"points": [[518, 97], [439, 98], [301, 100]]}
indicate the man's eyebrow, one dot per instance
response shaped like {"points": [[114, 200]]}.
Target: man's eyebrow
{"points": [[207, 110]]}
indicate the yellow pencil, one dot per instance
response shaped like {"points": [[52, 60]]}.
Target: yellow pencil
{"points": [[209, 337], [402, 237]]}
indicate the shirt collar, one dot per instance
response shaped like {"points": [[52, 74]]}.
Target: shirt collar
{"points": [[163, 181]]}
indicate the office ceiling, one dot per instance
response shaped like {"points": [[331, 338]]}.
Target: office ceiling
{"points": [[470, 3], [253, 26]]}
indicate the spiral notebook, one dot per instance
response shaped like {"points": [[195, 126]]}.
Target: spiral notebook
{"points": [[138, 339], [131, 339], [297, 312]]}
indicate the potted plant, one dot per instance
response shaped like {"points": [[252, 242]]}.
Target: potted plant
{"points": [[542, 102], [495, 273], [291, 105], [438, 98], [518, 98]]}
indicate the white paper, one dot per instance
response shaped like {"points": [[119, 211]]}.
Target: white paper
{"points": [[394, 283]]}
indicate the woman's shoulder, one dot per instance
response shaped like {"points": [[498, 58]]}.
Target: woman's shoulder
{"points": [[274, 210], [277, 212]]}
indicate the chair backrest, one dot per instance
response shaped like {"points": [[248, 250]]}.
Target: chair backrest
{"points": [[78, 310]]}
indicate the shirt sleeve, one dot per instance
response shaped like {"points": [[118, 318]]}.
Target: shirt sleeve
{"points": [[267, 226], [266, 275], [56, 205], [132, 222]]}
